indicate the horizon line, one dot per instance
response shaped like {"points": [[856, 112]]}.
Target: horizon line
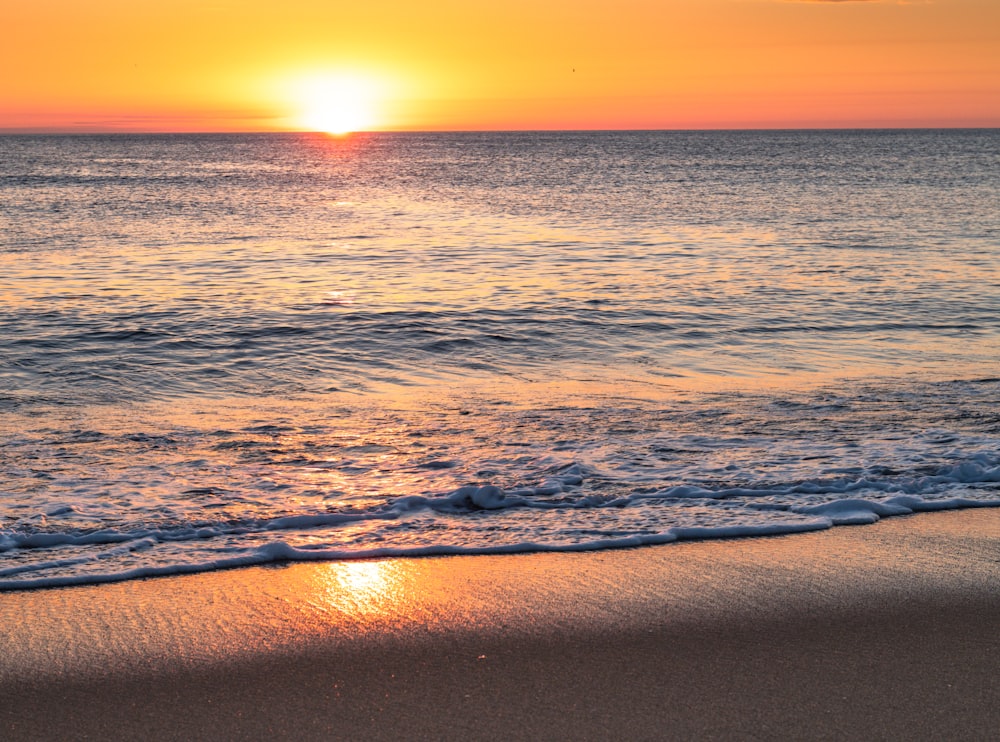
{"points": [[57, 131]]}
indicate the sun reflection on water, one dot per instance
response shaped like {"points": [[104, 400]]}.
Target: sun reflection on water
{"points": [[362, 589]]}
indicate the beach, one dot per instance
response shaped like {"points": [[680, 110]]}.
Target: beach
{"points": [[887, 631], [592, 373]]}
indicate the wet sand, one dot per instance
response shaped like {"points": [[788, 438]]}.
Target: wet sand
{"points": [[889, 631]]}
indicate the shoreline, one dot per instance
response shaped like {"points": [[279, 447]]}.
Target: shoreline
{"points": [[884, 630]]}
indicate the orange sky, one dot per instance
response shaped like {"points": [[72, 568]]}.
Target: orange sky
{"points": [[224, 65]]}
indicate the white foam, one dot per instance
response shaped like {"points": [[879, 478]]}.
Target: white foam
{"points": [[572, 478], [842, 512]]}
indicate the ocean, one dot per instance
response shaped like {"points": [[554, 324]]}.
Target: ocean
{"points": [[222, 350]]}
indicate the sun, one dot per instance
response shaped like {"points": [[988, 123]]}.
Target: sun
{"points": [[338, 105]]}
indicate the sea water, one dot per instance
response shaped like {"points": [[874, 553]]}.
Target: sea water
{"points": [[230, 349]]}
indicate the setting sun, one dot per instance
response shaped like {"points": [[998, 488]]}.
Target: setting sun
{"points": [[338, 105]]}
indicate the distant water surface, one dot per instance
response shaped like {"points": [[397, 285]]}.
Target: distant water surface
{"points": [[221, 350]]}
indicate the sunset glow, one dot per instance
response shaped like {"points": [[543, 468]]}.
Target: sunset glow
{"points": [[183, 65], [338, 105]]}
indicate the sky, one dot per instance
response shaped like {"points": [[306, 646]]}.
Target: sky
{"points": [[270, 65]]}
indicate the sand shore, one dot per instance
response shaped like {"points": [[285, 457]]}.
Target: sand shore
{"points": [[889, 631]]}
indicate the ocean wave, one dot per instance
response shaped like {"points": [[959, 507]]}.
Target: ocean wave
{"points": [[615, 522], [844, 512]]}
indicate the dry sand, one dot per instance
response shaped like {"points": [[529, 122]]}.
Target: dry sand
{"points": [[890, 631]]}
